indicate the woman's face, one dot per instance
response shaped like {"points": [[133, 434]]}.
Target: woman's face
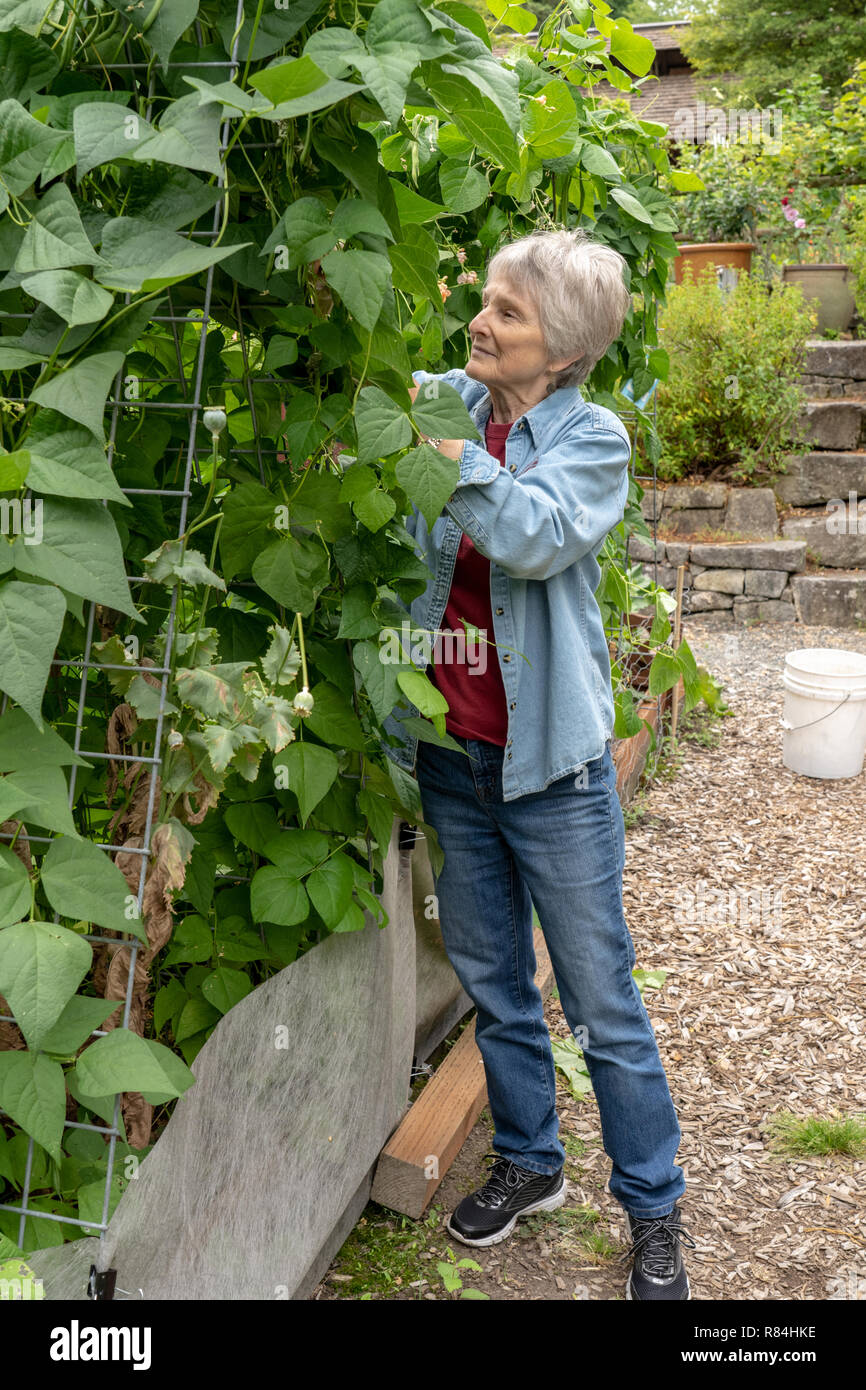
{"points": [[508, 348]]}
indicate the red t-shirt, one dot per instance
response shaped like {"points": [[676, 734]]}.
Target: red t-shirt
{"points": [[467, 672]]}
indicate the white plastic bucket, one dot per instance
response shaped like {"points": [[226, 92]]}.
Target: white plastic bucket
{"points": [[825, 712]]}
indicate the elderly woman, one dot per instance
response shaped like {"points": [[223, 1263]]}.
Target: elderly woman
{"points": [[528, 813]]}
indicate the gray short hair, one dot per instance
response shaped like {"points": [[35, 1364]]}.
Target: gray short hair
{"points": [[580, 289]]}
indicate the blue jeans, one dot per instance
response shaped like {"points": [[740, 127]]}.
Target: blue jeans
{"points": [[563, 850]]}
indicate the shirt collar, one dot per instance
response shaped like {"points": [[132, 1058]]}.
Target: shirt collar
{"points": [[539, 418]]}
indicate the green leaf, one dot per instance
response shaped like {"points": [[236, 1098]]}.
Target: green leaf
{"points": [[438, 410], [14, 888], [254, 823], [664, 673], [330, 888], [298, 87], [635, 51], [143, 256], [80, 391], [386, 74], [104, 133], [27, 65], [550, 121], [278, 896], [310, 772], [23, 747], [55, 237], [629, 203], [36, 794], [167, 1003], [415, 264], [375, 508], [361, 279], [380, 678], [41, 967], [79, 552], [171, 562], [80, 1016], [355, 216], [282, 661], [123, 1061], [265, 29], [428, 478], [72, 296], [412, 208], [33, 1095], [422, 692], [247, 511], [379, 813], [225, 988], [188, 136], [597, 160], [333, 719], [382, 426], [464, 187], [293, 571], [191, 942], [353, 920], [195, 1016], [26, 147], [80, 881], [215, 691], [356, 612], [297, 851], [31, 618], [476, 116]]}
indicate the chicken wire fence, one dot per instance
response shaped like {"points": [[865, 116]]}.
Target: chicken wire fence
{"points": [[184, 327]]}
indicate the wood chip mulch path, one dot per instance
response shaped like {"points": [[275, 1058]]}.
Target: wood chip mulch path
{"points": [[762, 1011]]}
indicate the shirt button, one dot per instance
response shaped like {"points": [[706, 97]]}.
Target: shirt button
{"points": [[500, 611], [512, 467], [507, 657], [509, 755], [513, 704], [520, 426]]}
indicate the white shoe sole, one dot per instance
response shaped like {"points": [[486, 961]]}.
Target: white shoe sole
{"points": [[556, 1199], [628, 1293]]}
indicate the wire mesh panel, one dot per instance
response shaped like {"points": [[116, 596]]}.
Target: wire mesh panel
{"points": [[129, 402], [188, 343]]}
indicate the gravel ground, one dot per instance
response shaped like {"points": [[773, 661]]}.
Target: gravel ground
{"points": [[762, 1011]]}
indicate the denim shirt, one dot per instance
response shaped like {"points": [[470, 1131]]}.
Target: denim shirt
{"points": [[541, 520]]}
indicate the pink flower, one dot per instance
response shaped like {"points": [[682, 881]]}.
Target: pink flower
{"points": [[468, 277], [800, 222], [443, 290], [790, 213], [461, 255]]}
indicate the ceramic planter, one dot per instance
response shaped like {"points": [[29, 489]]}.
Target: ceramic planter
{"points": [[831, 287]]}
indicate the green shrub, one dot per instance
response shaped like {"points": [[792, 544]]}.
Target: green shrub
{"points": [[732, 396]]}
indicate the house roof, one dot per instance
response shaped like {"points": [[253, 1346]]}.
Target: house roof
{"points": [[662, 36], [659, 100]]}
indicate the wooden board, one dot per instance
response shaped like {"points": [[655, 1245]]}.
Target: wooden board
{"points": [[422, 1148]]}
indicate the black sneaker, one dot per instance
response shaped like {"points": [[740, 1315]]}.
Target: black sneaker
{"points": [[658, 1271], [490, 1214]]}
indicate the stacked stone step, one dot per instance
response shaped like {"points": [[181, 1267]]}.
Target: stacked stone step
{"points": [[756, 568], [827, 486]]}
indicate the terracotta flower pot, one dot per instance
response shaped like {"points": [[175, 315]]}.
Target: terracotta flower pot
{"points": [[831, 289], [698, 254]]}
